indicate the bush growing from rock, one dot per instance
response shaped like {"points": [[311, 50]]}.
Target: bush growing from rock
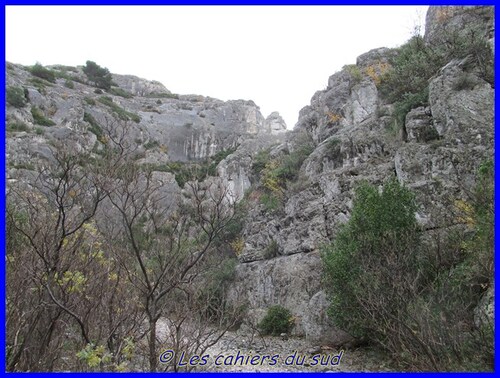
{"points": [[100, 76], [39, 118], [43, 73], [277, 320], [15, 97]]}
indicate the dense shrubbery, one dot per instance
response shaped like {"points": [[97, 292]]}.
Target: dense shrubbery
{"points": [[414, 298], [277, 320]]}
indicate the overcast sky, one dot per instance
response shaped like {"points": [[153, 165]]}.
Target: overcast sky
{"points": [[275, 56]]}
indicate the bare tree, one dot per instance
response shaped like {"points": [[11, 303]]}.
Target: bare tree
{"points": [[161, 240]]}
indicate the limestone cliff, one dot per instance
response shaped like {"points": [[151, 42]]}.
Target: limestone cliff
{"points": [[436, 153], [164, 126]]}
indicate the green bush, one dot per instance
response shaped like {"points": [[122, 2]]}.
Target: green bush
{"points": [[259, 161], [89, 100], [277, 320], [39, 117], [464, 82], [378, 221], [213, 295], [17, 126], [272, 250], [151, 144], [355, 72], [68, 83], [216, 159], [100, 76], [271, 202], [408, 102], [40, 71], [95, 127], [15, 97], [163, 95]]}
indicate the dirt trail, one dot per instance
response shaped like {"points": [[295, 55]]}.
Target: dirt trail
{"points": [[273, 354]]}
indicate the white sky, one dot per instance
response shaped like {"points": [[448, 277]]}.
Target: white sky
{"points": [[275, 56]]}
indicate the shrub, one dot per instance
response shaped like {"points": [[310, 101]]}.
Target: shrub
{"points": [[15, 97], [271, 202], [68, 83], [277, 320], [40, 71], [39, 117], [217, 158], [151, 144], [94, 125], [378, 221], [354, 72], [464, 82], [89, 100], [408, 102], [163, 95], [213, 295], [39, 84], [272, 250], [259, 162], [17, 126], [100, 76]]}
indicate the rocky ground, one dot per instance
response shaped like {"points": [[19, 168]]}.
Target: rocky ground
{"points": [[310, 358]]}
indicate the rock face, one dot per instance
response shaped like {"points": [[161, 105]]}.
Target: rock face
{"points": [[437, 157], [187, 128], [348, 124], [441, 21], [295, 283]]}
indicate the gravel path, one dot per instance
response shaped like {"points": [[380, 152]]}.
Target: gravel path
{"points": [[272, 354]]}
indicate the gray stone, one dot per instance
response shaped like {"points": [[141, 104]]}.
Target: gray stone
{"points": [[418, 126], [292, 282], [485, 310]]}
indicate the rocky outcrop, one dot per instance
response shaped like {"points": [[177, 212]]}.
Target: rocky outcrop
{"points": [[444, 21], [275, 124], [165, 127], [437, 155], [236, 169], [140, 87], [295, 283]]}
